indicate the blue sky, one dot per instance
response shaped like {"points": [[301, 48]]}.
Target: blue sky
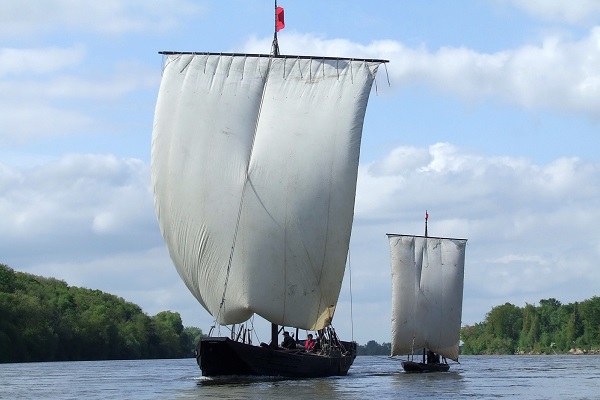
{"points": [[490, 121]]}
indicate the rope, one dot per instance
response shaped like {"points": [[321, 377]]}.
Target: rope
{"points": [[351, 303]]}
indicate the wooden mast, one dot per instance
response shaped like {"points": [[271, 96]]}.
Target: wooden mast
{"points": [[275, 48], [426, 218]]}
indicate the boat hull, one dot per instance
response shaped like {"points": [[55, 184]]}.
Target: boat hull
{"points": [[221, 356], [419, 367]]}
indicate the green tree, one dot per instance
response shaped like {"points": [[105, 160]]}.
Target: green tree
{"points": [[590, 314], [548, 328], [372, 348], [504, 325], [474, 339], [7, 279], [530, 332], [168, 329], [190, 338], [44, 319]]}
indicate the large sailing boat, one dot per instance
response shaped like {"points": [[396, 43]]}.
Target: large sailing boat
{"points": [[427, 294], [254, 169]]}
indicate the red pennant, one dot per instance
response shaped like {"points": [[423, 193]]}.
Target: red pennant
{"points": [[279, 23]]}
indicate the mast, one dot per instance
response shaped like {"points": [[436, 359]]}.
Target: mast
{"points": [[425, 350], [275, 50], [275, 47]]}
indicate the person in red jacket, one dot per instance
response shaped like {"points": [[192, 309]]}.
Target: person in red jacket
{"points": [[309, 344]]}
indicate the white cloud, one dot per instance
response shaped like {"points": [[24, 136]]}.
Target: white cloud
{"points": [[87, 87], [23, 123], [39, 60], [450, 175], [48, 99], [572, 11], [31, 17], [78, 207], [557, 74]]}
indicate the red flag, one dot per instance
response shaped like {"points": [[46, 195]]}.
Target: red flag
{"points": [[279, 24], [426, 215]]}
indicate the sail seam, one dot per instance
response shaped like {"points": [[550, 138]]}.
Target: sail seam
{"points": [[229, 66], [417, 289], [327, 227], [186, 65], [245, 184], [168, 61], [299, 68]]}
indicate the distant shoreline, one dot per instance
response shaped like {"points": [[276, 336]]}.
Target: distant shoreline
{"points": [[572, 352]]}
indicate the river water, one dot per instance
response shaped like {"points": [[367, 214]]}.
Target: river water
{"points": [[371, 377]]}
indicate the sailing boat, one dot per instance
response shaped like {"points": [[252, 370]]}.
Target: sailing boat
{"points": [[254, 167], [427, 294]]}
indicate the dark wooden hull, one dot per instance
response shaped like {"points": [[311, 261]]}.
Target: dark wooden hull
{"points": [[412, 367], [221, 356]]}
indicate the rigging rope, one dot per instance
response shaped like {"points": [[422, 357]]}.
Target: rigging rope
{"points": [[351, 310]]}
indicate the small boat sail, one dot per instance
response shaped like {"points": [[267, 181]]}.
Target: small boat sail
{"points": [[427, 294], [254, 168]]}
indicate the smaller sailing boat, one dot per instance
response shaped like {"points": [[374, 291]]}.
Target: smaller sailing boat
{"points": [[427, 293]]}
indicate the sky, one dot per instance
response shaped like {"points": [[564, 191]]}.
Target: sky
{"points": [[487, 116]]}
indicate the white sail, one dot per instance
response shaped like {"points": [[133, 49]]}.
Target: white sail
{"points": [[427, 294], [254, 166]]}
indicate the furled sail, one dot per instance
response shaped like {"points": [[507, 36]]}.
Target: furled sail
{"points": [[427, 294], [254, 166]]}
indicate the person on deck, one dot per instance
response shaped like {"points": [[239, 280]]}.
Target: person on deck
{"points": [[288, 341], [309, 344], [317, 347], [432, 358]]}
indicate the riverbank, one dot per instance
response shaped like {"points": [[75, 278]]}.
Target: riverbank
{"points": [[576, 352]]}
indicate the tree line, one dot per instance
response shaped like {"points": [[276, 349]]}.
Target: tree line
{"points": [[372, 348], [44, 319], [549, 328]]}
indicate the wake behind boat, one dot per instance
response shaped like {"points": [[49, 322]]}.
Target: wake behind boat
{"points": [[254, 169], [427, 294]]}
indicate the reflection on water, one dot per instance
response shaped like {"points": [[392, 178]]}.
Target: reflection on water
{"points": [[270, 387]]}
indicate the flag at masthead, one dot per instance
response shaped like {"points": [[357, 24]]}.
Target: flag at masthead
{"points": [[279, 25]]}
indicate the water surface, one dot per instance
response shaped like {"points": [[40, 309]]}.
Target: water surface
{"points": [[371, 377]]}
